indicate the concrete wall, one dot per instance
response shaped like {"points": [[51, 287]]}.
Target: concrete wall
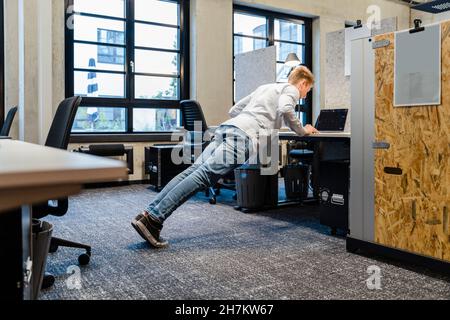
{"points": [[212, 57], [11, 60], [428, 18], [212, 19], [35, 53], [211, 51], [29, 66]]}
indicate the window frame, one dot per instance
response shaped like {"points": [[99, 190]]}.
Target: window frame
{"points": [[129, 102], [271, 16]]}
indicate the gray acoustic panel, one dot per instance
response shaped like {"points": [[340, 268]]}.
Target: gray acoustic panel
{"points": [[386, 26], [254, 69], [418, 67], [337, 85]]}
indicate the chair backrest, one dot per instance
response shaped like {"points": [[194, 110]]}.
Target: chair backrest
{"points": [[59, 134], [192, 112], [8, 122], [58, 137]]}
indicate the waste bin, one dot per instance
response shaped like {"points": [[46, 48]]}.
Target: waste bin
{"points": [[296, 181], [42, 235], [254, 190]]}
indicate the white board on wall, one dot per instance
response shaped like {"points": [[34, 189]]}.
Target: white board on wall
{"points": [[254, 69], [417, 76]]}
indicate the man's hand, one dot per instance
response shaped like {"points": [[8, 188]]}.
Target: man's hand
{"points": [[309, 129]]}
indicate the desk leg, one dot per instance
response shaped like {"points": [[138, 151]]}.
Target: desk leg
{"points": [[27, 251], [316, 170], [15, 250]]}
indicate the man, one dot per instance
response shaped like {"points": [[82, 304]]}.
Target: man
{"points": [[263, 109]]}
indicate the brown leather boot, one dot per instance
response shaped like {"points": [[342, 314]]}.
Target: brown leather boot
{"points": [[149, 229]]}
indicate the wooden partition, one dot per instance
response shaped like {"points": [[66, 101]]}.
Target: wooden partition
{"points": [[412, 177]]}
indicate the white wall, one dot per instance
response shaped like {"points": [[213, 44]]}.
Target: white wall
{"points": [[11, 61], [212, 57], [211, 61], [211, 51], [35, 78], [428, 18], [29, 66]]}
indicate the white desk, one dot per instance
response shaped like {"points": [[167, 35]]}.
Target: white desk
{"points": [[286, 134], [32, 174]]}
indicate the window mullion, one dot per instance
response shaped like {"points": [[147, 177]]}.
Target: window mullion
{"points": [[130, 61], [271, 31]]}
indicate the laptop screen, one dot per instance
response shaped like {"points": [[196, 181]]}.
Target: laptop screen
{"points": [[332, 120]]}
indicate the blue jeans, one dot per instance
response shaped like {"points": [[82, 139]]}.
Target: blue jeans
{"points": [[229, 150]]}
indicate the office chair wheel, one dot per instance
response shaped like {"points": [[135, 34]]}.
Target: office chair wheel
{"points": [[333, 231], [84, 259], [48, 281], [213, 200], [53, 248]]}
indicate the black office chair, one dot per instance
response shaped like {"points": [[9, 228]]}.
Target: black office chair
{"points": [[58, 137], [301, 152], [8, 122], [192, 112]]}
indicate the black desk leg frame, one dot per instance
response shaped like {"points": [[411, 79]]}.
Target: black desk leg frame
{"points": [[15, 255]]}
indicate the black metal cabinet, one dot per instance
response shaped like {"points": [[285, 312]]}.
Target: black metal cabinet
{"points": [[160, 166], [334, 184]]}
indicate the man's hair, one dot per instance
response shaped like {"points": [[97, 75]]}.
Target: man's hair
{"points": [[301, 73]]}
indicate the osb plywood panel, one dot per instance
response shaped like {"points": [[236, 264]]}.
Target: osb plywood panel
{"points": [[412, 210]]}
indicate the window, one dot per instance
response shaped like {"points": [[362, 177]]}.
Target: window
{"points": [[128, 60], [255, 29]]}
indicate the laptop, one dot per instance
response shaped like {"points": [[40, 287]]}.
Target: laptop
{"points": [[332, 121]]}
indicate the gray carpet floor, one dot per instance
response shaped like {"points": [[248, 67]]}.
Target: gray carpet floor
{"points": [[218, 253]]}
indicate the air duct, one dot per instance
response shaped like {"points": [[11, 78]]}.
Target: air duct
{"points": [[435, 7], [430, 6]]}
